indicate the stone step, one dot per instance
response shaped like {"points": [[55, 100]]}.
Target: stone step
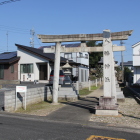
{"points": [[68, 96], [65, 89], [66, 93], [117, 85], [120, 95], [118, 89]]}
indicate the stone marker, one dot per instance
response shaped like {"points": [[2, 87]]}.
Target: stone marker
{"points": [[107, 103]]}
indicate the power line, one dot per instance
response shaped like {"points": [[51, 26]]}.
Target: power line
{"points": [[13, 28], [7, 41], [8, 1]]}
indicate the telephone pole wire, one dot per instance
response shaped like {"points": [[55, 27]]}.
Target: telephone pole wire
{"points": [[8, 1]]}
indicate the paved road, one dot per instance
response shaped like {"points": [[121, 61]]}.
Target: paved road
{"points": [[68, 123], [39, 128]]}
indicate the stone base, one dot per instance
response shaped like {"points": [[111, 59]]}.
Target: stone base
{"points": [[107, 112], [121, 100], [107, 103], [107, 106], [55, 103]]}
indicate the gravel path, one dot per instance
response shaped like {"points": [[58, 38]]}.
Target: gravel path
{"points": [[129, 114]]}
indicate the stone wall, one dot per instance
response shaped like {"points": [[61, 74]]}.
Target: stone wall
{"points": [[9, 82], [33, 95]]}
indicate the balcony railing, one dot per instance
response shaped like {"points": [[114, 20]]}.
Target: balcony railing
{"points": [[82, 57]]}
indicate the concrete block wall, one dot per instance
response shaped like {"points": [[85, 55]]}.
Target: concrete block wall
{"points": [[33, 95], [9, 82]]}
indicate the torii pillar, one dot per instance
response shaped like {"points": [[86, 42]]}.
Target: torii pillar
{"points": [[108, 102], [106, 37]]}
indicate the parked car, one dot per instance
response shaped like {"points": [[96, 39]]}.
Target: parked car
{"points": [[61, 77]]}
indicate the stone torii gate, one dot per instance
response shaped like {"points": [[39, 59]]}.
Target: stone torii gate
{"points": [[107, 49]]}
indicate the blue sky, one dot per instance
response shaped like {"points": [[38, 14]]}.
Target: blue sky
{"points": [[68, 17]]}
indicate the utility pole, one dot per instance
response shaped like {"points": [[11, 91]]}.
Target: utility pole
{"points": [[7, 40], [121, 43], [32, 32]]}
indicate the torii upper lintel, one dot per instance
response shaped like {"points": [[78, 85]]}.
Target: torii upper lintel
{"points": [[83, 37]]}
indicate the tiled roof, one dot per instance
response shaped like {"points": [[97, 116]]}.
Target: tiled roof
{"points": [[39, 52], [136, 44], [9, 61], [8, 57], [130, 63]]}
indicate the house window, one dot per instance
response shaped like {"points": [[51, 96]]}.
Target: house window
{"points": [[86, 56], [80, 54], [1, 71], [26, 68], [12, 68], [68, 55]]}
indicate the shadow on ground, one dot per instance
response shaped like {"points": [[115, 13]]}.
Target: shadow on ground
{"points": [[88, 103], [129, 94], [128, 116]]}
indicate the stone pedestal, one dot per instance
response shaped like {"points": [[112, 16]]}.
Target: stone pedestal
{"points": [[107, 106]]}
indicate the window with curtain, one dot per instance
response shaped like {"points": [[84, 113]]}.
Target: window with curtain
{"points": [[1, 71], [26, 68]]}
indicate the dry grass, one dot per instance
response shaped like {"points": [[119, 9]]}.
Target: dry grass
{"points": [[40, 109]]}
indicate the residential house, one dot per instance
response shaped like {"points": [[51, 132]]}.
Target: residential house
{"points": [[9, 67], [34, 64], [136, 62]]}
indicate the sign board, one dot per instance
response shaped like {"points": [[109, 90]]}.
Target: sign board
{"points": [[21, 89]]}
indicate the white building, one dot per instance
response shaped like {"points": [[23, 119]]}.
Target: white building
{"points": [[81, 58], [136, 62]]}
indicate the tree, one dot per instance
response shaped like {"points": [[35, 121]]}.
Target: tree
{"points": [[118, 73], [94, 57], [127, 74]]}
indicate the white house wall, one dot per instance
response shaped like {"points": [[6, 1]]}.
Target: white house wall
{"points": [[29, 58], [136, 50], [76, 58], [83, 72], [136, 55], [136, 60], [136, 75]]}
